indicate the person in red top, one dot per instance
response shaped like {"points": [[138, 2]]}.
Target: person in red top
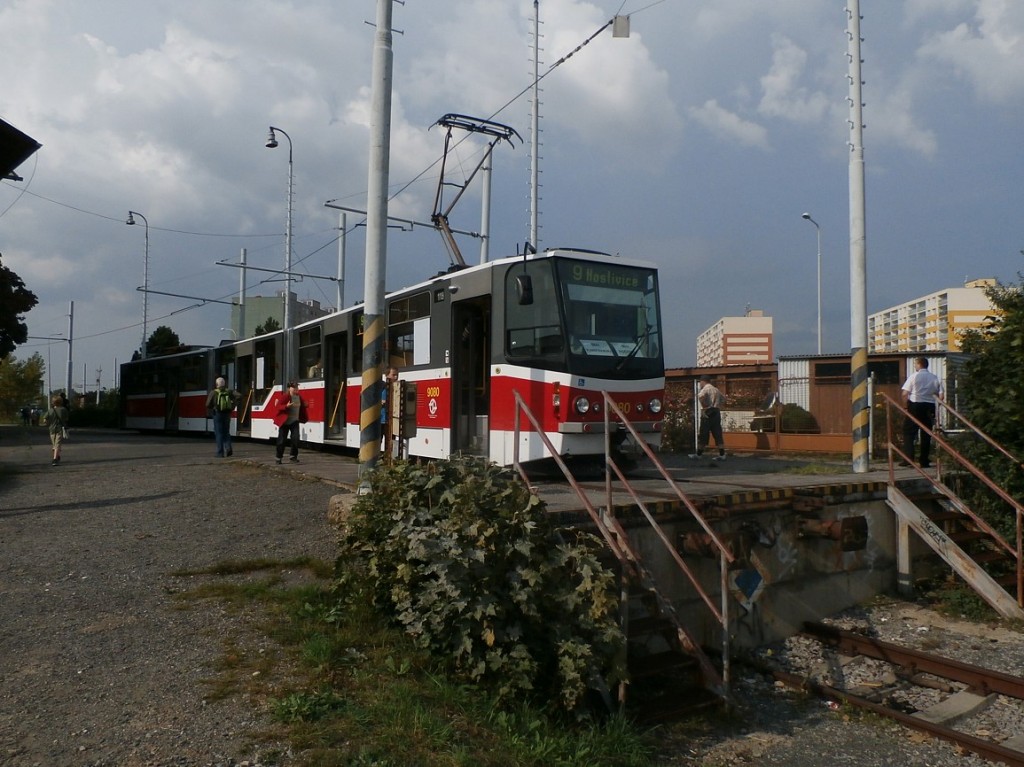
{"points": [[288, 418]]}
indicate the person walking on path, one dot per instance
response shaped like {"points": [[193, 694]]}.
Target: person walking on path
{"points": [[289, 416], [920, 391], [710, 401], [221, 402], [57, 421]]}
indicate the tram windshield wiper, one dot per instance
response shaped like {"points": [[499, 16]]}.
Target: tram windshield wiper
{"points": [[636, 346]]}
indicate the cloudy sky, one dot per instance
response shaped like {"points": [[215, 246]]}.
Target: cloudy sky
{"points": [[696, 143]]}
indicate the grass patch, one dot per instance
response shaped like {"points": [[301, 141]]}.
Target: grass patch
{"points": [[813, 469], [346, 690], [956, 600], [243, 566]]}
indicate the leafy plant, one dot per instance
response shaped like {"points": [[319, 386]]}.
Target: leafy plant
{"points": [[307, 706], [469, 564]]}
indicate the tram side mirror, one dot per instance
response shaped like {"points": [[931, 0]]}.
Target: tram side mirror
{"points": [[524, 289]]}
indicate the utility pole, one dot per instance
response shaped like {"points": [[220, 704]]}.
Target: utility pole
{"points": [[860, 406], [376, 243]]}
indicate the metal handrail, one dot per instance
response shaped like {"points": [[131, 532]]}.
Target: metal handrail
{"points": [[616, 538], [936, 482], [725, 556]]}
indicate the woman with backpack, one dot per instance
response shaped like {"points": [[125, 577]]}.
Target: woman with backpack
{"points": [[57, 421], [220, 403]]}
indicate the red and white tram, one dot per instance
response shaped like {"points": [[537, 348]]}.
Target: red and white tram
{"points": [[558, 327]]}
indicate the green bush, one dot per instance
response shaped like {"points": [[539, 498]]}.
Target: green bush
{"points": [[796, 420], [468, 562]]}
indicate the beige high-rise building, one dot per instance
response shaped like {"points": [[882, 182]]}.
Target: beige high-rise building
{"points": [[931, 323], [736, 341]]}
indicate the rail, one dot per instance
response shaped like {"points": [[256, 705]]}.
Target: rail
{"points": [[1015, 552], [911, 666], [618, 542]]}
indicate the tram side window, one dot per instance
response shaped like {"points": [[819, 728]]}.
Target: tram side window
{"points": [[193, 373], [311, 361], [409, 330], [266, 365], [532, 330]]}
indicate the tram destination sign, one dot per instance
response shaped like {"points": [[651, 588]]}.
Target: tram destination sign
{"points": [[606, 276]]}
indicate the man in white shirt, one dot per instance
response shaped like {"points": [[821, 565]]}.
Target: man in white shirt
{"points": [[710, 401], [919, 394]]}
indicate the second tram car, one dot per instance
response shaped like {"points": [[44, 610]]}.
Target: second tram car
{"points": [[558, 327]]}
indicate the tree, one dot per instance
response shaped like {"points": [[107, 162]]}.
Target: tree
{"points": [[992, 389], [163, 340], [20, 383], [15, 301], [269, 326], [994, 375]]}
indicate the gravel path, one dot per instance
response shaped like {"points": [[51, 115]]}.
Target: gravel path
{"points": [[102, 665]]}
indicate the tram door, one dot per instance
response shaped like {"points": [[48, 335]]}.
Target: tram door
{"points": [[172, 396], [471, 384], [335, 368], [243, 383]]}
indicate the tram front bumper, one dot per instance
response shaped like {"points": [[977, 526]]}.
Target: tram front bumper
{"points": [[597, 427]]}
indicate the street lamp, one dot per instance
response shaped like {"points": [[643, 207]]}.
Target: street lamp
{"points": [[145, 278], [285, 350], [807, 216], [234, 334]]}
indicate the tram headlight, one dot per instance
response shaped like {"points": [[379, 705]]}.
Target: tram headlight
{"points": [[582, 405], [654, 405]]}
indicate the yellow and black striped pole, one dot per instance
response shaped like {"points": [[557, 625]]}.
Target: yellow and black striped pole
{"points": [[861, 410], [369, 398]]}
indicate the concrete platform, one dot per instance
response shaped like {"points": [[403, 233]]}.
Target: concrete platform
{"points": [[739, 481]]}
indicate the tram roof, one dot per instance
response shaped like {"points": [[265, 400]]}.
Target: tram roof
{"points": [[579, 253]]}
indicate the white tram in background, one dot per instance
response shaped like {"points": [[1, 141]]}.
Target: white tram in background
{"points": [[558, 327]]}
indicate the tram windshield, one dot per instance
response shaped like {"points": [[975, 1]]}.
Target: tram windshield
{"points": [[592, 318]]}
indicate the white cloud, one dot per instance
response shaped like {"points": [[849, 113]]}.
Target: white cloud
{"points": [[723, 122], [783, 95], [987, 51]]}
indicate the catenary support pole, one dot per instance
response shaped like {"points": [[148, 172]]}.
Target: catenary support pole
{"points": [[376, 243], [861, 411]]}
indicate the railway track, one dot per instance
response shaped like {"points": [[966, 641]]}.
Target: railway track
{"points": [[966, 689]]}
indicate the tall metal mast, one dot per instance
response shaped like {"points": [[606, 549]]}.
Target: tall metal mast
{"points": [[535, 134], [861, 408], [376, 241]]}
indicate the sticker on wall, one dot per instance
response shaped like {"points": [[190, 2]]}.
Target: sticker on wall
{"points": [[746, 586]]}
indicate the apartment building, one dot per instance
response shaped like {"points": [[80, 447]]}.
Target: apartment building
{"points": [[259, 308], [931, 323], [743, 340]]}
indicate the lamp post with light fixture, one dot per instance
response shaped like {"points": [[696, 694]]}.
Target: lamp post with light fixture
{"points": [[130, 221], [285, 339], [807, 217]]}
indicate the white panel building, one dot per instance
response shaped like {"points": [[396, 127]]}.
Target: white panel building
{"points": [[933, 322]]}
